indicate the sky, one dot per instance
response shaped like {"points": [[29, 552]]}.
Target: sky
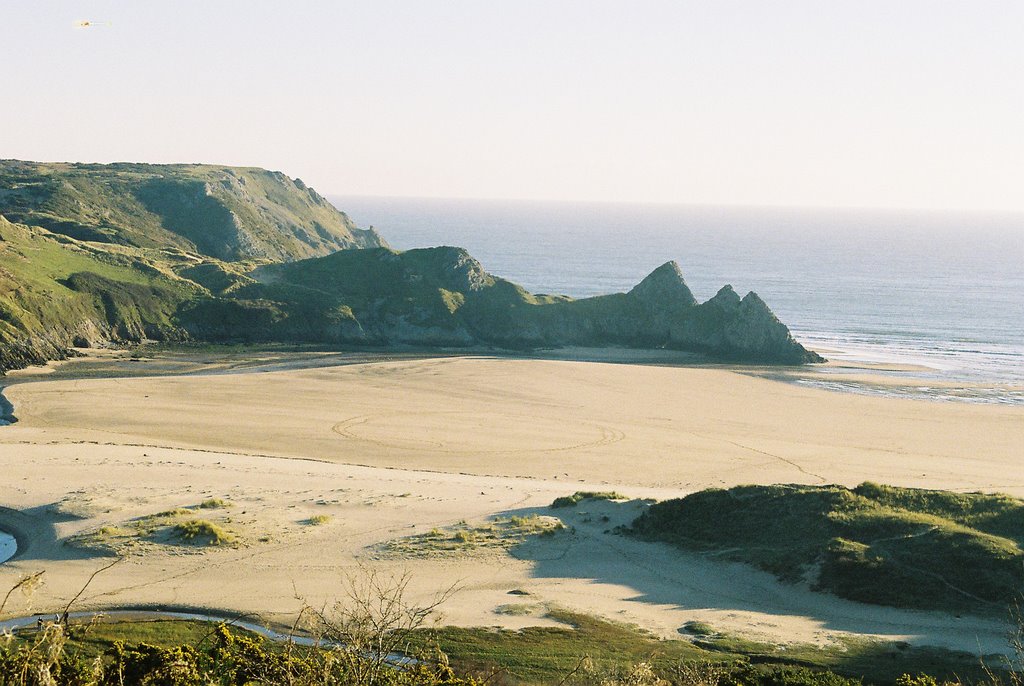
{"points": [[835, 103]]}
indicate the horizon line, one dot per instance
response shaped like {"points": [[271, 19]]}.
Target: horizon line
{"points": [[694, 204]]}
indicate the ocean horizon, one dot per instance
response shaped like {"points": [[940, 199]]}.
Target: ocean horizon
{"points": [[940, 290]]}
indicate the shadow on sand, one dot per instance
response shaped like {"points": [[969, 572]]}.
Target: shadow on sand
{"points": [[35, 531], [660, 574]]}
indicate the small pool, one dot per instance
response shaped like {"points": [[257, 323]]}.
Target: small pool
{"points": [[8, 546]]}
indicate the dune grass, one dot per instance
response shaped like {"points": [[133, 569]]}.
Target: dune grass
{"points": [[319, 520], [499, 533], [877, 544], [579, 496], [202, 531], [175, 527]]}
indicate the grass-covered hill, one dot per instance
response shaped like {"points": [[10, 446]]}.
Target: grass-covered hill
{"points": [[99, 254], [229, 213], [902, 547], [56, 292], [442, 296]]}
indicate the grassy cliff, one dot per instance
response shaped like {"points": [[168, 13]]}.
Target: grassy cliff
{"points": [[95, 254], [903, 547], [442, 296], [229, 213], [56, 292]]}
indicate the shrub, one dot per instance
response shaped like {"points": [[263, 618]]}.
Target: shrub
{"points": [[579, 496]]}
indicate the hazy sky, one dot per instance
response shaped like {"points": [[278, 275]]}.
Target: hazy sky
{"points": [[894, 103]]}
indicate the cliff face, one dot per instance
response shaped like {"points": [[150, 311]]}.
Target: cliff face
{"points": [[230, 213], [124, 253], [740, 329]]}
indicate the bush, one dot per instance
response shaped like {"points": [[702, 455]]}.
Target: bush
{"points": [[579, 496], [903, 547]]}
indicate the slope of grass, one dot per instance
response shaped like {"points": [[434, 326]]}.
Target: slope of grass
{"points": [[55, 292], [876, 544], [545, 655], [225, 212]]}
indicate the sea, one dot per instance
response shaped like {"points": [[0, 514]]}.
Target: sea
{"points": [[939, 291]]}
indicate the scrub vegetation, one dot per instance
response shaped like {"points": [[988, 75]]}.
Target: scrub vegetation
{"points": [[904, 547], [175, 527], [500, 533], [579, 496]]}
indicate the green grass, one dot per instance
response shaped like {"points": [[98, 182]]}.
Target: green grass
{"points": [[544, 655], [92, 640], [877, 544], [580, 496], [213, 504], [52, 289], [224, 212], [699, 629]]}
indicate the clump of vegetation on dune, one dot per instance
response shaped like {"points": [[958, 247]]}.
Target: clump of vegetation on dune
{"points": [[579, 496], [500, 533], [319, 520], [203, 531], [878, 544], [175, 527]]}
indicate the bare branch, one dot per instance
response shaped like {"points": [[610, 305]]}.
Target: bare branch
{"points": [[27, 582], [67, 609]]}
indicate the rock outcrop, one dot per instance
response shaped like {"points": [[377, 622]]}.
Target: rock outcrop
{"points": [[664, 287]]}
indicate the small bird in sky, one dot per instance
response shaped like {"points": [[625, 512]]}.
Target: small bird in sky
{"points": [[84, 24]]}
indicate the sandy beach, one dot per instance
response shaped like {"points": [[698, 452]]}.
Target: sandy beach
{"points": [[388, 450]]}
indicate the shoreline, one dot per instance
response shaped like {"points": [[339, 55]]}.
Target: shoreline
{"points": [[891, 379]]}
